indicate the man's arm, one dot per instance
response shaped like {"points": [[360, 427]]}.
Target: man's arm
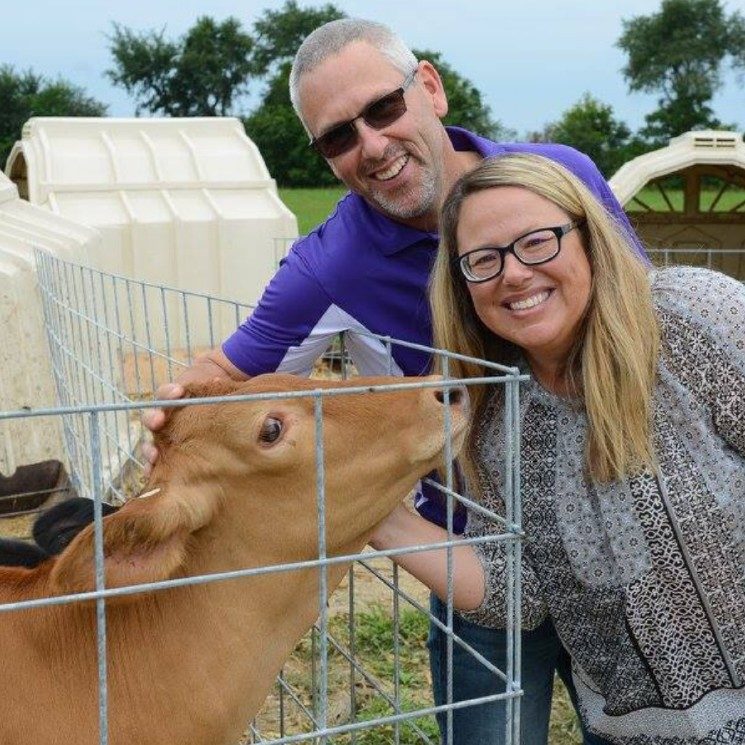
{"points": [[287, 319]]}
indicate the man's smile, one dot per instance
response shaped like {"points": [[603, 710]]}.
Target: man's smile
{"points": [[386, 174]]}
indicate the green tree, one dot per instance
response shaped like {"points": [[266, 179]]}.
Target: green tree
{"points": [[591, 127], [279, 33], [282, 139], [273, 126], [27, 94], [680, 52], [202, 74]]}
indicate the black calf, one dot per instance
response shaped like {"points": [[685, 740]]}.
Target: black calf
{"points": [[15, 553], [53, 531]]}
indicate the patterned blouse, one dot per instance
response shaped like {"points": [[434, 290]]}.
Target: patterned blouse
{"points": [[644, 578]]}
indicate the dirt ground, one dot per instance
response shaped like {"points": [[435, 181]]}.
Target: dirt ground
{"points": [[17, 527]]}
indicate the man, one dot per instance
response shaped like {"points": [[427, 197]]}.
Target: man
{"points": [[373, 111]]}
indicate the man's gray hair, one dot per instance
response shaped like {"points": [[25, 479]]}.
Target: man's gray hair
{"points": [[332, 37]]}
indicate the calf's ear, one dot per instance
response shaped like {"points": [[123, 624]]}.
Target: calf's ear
{"points": [[145, 541]]}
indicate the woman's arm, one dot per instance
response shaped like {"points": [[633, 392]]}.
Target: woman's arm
{"points": [[403, 528]]}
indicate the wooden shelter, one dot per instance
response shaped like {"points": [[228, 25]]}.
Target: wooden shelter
{"points": [[687, 200]]}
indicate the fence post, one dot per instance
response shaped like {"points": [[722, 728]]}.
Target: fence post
{"points": [[321, 713], [103, 696]]}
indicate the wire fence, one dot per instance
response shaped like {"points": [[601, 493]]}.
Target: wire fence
{"points": [[113, 340], [726, 260]]}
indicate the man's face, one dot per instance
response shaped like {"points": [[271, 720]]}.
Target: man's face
{"points": [[397, 169]]}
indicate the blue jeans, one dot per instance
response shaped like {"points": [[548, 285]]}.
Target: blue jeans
{"points": [[484, 724]]}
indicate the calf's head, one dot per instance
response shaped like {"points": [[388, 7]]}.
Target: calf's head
{"points": [[248, 471]]}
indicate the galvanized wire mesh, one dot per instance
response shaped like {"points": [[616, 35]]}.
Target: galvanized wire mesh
{"points": [[113, 340], [726, 260]]}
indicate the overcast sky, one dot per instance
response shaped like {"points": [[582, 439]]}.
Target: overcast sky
{"points": [[531, 59]]}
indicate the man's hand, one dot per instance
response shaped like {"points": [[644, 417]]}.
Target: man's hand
{"points": [[154, 419], [211, 366]]}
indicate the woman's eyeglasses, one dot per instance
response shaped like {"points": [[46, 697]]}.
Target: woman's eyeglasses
{"points": [[379, 114], [531, 249]]}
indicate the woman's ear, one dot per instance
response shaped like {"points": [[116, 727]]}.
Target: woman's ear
{"points": [[432, 82]]}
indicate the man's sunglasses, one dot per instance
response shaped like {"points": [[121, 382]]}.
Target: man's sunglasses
{"points": [[379, 114]]}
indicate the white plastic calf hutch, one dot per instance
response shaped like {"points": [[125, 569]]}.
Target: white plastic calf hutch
{"points": [[25, 367], [687, 200], [185, 203]]}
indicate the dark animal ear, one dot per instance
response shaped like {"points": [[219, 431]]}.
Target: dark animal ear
{"points": [[20, 554], [54, 530]]}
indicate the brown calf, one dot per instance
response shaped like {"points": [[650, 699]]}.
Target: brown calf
{"points": [[237, 489]]}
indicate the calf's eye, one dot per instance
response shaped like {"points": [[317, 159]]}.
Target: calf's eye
{"points": [[271, 429]]}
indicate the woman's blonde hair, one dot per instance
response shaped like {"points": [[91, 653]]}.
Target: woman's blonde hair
{"points": [[612, 365]]}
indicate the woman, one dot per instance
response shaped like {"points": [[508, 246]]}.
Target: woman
{"points": [[633, 451]]}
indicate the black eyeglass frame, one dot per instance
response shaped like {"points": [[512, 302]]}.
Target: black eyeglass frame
{"points": [[317, 142], [559, 231]]}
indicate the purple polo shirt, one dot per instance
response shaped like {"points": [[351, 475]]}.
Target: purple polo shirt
{"points": [[362, 271]]}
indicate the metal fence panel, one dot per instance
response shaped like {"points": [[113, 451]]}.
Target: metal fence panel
{"points": [[106, 369]]}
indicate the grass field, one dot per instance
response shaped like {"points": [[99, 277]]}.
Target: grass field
{"points": [[312, 206]]}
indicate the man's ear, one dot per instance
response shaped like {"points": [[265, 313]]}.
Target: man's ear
{"points": [[432, 83], [145, 541]]}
